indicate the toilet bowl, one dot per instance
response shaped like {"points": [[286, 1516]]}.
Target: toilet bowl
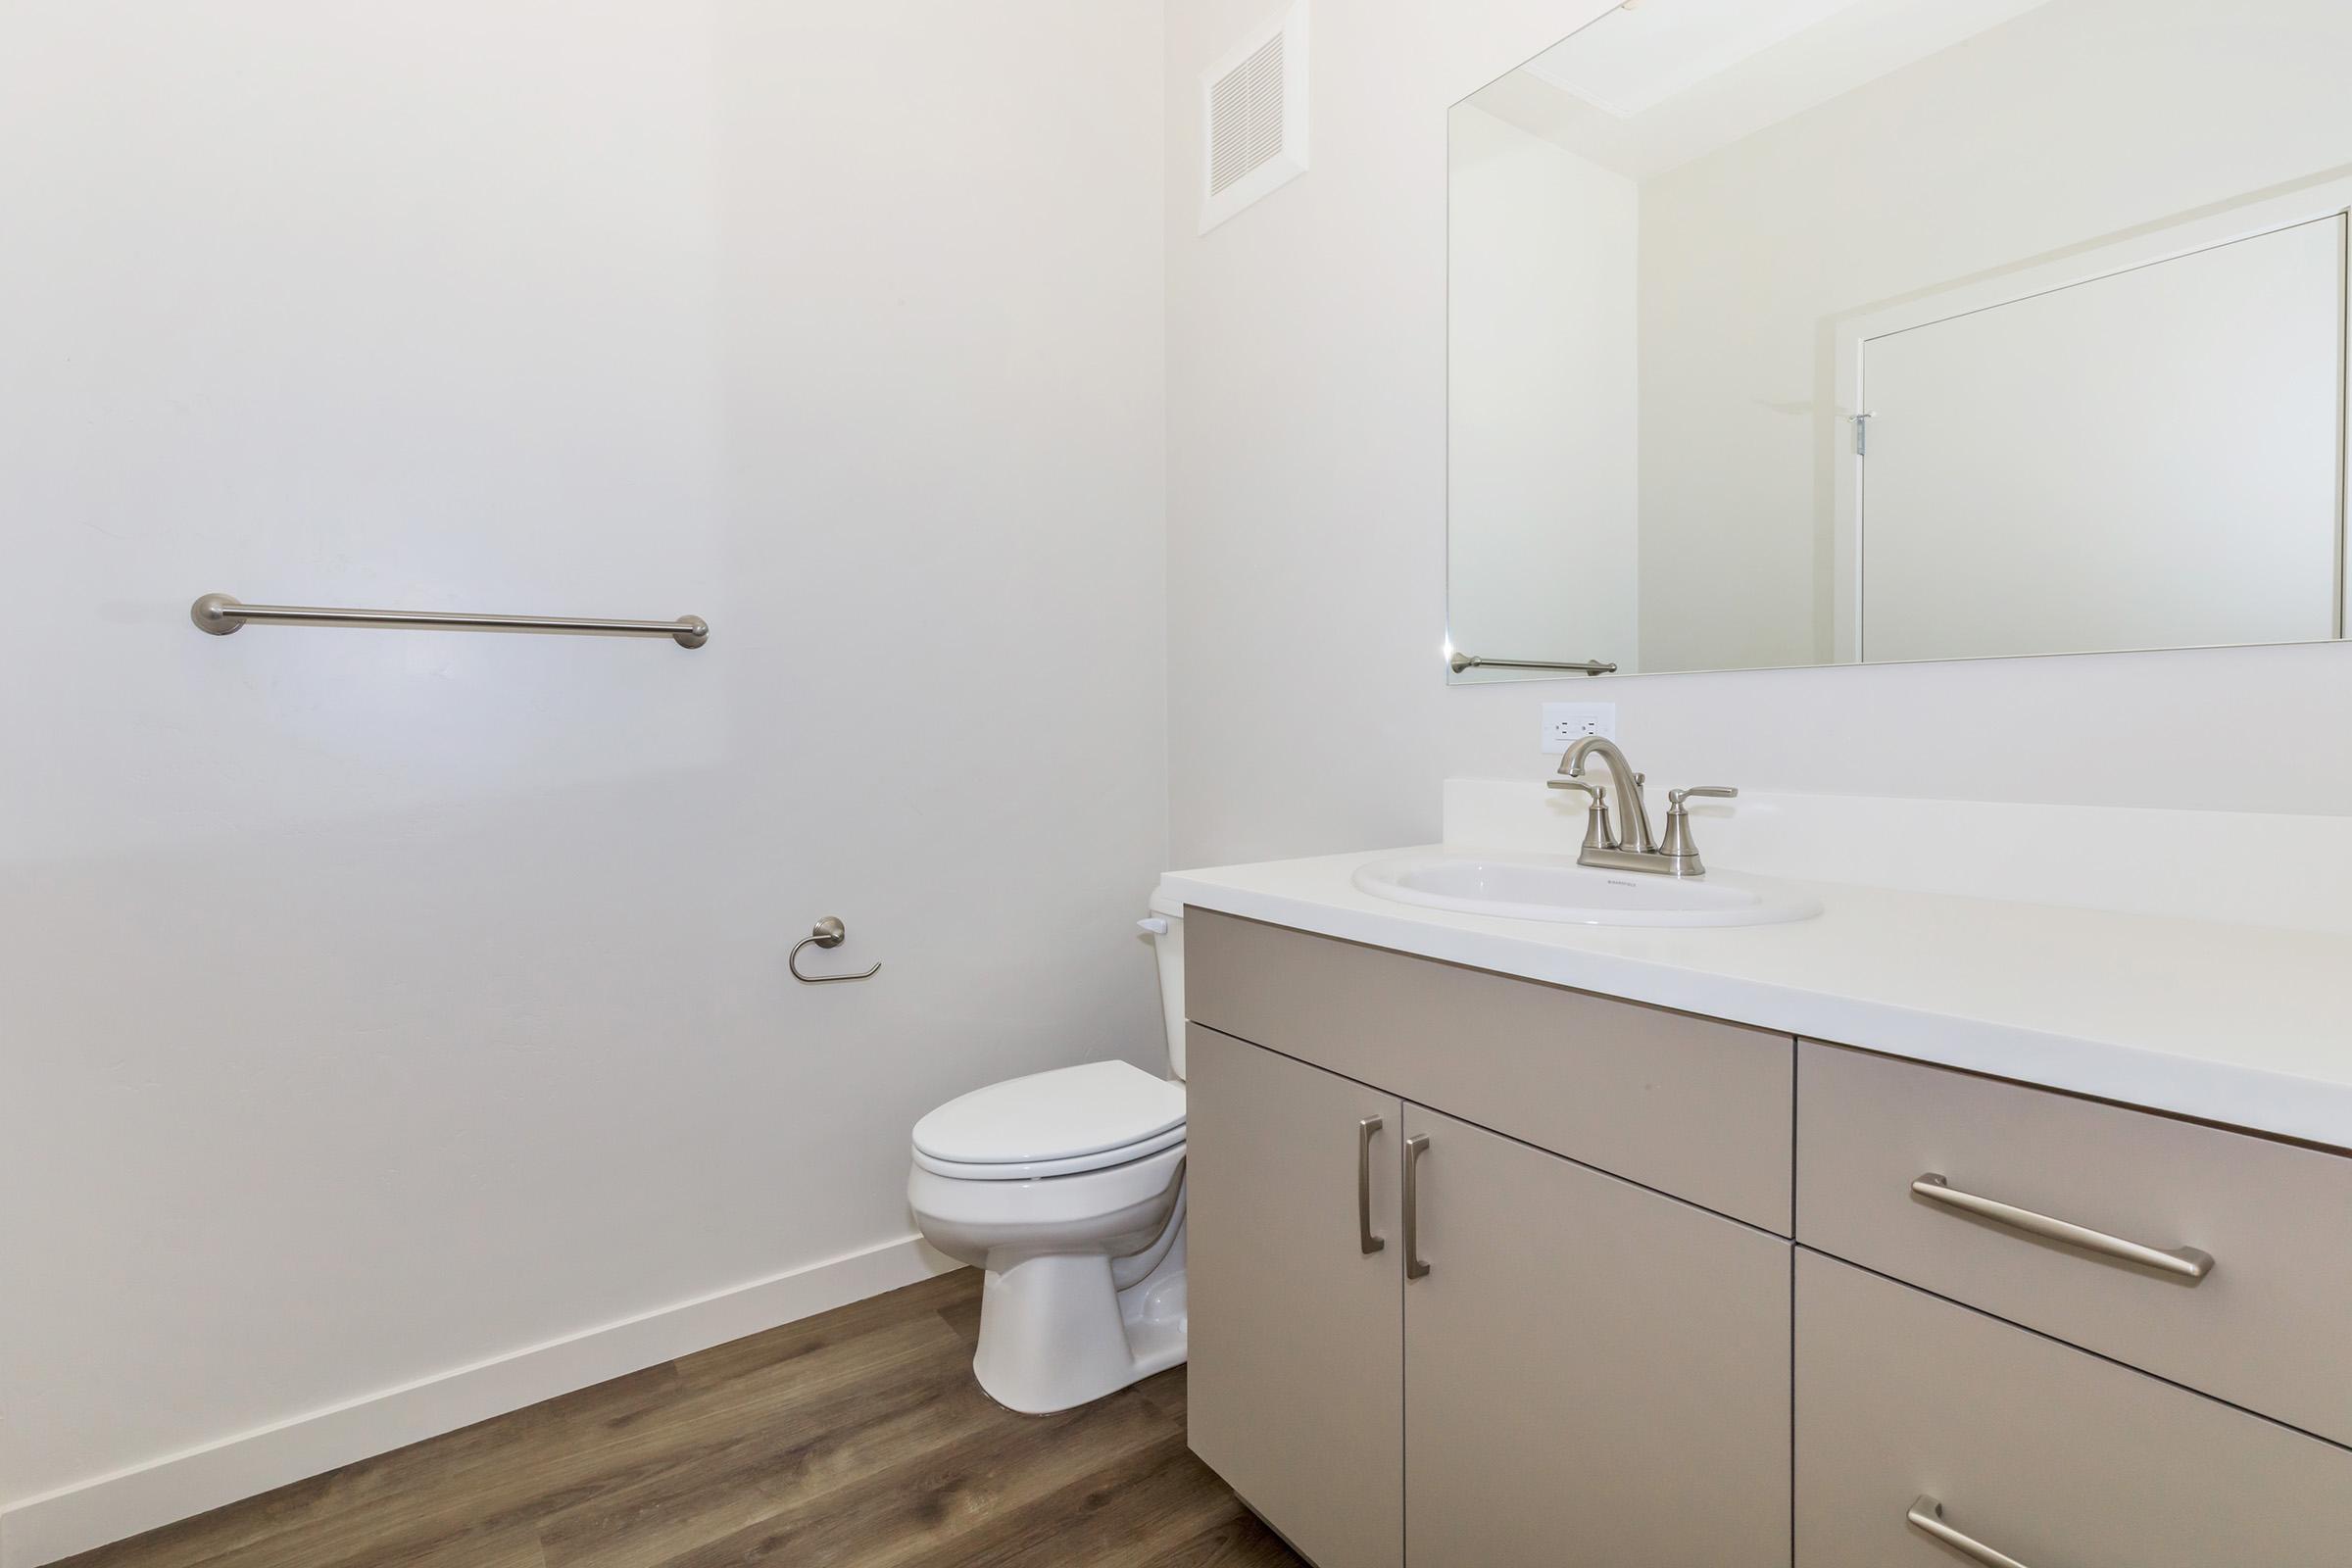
{"points": [[1066, 1189]]}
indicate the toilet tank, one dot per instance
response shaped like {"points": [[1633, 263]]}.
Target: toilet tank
{"points": [[1166, 925]]}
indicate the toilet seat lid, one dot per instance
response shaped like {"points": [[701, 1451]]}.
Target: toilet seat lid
{"points": [[1065, 1114]]}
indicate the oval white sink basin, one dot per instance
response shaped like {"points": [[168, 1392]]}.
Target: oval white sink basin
{"points": [[1553, 887]]}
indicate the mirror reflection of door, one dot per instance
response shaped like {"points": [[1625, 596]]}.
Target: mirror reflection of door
{"points": [[2086, 256], [2146, 458]]}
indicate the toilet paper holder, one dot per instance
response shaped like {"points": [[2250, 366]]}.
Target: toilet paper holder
{"points": [[829, 932]]}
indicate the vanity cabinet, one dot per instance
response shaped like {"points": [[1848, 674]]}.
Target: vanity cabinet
{"points": [[1435, 1340], [1487, 1271]]}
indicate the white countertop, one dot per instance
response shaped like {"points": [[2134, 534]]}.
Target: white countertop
{"points": [[2246, 1025]]}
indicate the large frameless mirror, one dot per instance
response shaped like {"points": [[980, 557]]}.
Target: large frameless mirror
{"points": [[1792, 332]]}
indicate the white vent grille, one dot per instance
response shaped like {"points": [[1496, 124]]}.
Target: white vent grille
{"points": [[1254, 118], [1245, 118]]}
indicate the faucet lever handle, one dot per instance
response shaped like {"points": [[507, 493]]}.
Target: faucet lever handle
{"points": [[1600, 832], [1678, 846]]}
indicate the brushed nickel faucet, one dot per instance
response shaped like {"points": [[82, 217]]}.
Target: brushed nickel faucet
{"points": [[1604, 847]]}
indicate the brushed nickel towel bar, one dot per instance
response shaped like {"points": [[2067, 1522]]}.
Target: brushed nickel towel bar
{"points": [[219, 615], [1460, 661]]}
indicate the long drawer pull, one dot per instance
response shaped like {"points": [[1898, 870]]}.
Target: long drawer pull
{"points": [[1414, 1148], [2186, 1261], [1926, 1517], [1363, 1187]]}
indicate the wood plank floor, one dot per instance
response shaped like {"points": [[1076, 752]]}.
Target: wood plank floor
{"points": [[855, 1438]]}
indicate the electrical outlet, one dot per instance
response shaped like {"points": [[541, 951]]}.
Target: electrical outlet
{"points": [[1566, 723]]}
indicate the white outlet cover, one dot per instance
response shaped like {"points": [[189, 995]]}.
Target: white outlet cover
{"points": [[1565, 724]]}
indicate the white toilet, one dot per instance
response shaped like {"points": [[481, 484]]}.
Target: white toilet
{"points": [[1067, 1186]]}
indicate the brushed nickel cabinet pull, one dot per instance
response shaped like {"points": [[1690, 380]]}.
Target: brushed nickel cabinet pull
{"points": [[2185, 1262], [1363, 1187], [1414, 1148], [1926, 1517]]}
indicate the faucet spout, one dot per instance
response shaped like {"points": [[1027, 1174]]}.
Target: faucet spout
{"points": [[1629, 786]]}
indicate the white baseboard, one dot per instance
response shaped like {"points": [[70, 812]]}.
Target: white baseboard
{"points": [[43, 1529]]}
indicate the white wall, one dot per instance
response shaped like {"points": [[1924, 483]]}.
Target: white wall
{"points": [[1307, 533], [1545, 443], [374, 1003], [1753, 255]]}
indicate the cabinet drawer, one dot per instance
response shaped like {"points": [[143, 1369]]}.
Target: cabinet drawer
{"points": [[2052, 1457], [2263, 1328], [1691, 1107]]}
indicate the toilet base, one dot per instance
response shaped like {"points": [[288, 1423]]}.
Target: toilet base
{"points": [[1056, 1331]]}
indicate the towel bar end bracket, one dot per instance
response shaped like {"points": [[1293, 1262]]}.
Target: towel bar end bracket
{"points": [[211, 615]]}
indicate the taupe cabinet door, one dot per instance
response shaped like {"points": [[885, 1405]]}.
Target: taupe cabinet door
{"points": [[1593, 1373], [1297, 1385]]}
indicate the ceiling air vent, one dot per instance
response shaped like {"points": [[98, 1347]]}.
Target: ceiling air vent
{"points": [[1254, 116]]}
